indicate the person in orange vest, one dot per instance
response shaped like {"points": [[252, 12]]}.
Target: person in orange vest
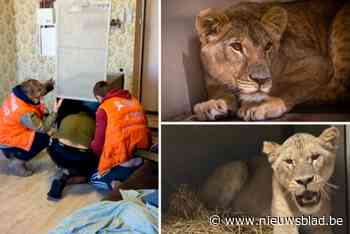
{"points": [[121, 128], [24, 125]]}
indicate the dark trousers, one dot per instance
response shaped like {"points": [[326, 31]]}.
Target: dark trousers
{"points": [[117, 173], [41, 141], [145, 177], [77, 162]]}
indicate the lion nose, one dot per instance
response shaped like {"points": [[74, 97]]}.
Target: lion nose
{"points": [[259, 80], [305, 181]]}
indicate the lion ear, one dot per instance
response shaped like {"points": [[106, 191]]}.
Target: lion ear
{"points": [[209, 23], [275, 22], [330, 136], [269, 149]]}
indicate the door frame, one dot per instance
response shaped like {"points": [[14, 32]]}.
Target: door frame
{"points": [[138, 47]]}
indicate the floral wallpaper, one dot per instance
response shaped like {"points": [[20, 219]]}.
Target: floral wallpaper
{"points": [[31, 65], [7, 48], [121, 43], [29, 62]]}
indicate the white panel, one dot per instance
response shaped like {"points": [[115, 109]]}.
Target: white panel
{"points": [[45, 16], [48, 40], [83, 31], [80, 70]]}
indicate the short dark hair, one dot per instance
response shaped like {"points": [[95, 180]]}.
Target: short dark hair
{"points": [[101, 89]]}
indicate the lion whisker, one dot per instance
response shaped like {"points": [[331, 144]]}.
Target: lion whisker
{"points": [[325, 192], [333, 186]]}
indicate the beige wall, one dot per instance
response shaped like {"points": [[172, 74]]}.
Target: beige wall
{"points": [[19, 53], [29, 62], [121, 45], [7, 48], [31, 65], [182, 74]]}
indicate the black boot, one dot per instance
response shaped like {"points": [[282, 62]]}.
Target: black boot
{"points": [[57, 187]]}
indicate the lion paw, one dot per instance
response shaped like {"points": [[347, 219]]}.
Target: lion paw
{"points": [[272, 108], [211, 110]]}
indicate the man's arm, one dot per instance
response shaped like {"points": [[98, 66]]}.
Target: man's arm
{"points": [[99, 138], [34, 122]]}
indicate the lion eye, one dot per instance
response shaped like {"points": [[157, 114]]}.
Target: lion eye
{"points": [[315, 157], [268, 46], [236, 46], [288, 161]]}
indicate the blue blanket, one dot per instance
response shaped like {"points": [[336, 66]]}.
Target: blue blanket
{"points": [[126, 216]]}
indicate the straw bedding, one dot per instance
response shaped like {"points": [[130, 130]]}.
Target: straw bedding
{"points": [[187, 214]]}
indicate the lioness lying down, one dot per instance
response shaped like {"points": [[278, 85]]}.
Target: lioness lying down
{"points": [[301, 169], [263, 59]]}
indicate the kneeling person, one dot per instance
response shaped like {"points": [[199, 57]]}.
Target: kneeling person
{"points": [[121, 128], [70, 151], [24, 125]]}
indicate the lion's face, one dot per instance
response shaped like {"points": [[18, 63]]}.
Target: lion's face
{"points": [[240, 62], [238, 51], [303, 165]]}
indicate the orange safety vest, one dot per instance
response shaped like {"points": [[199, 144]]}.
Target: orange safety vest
{"points": [[126, 131], [12, 132]]}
